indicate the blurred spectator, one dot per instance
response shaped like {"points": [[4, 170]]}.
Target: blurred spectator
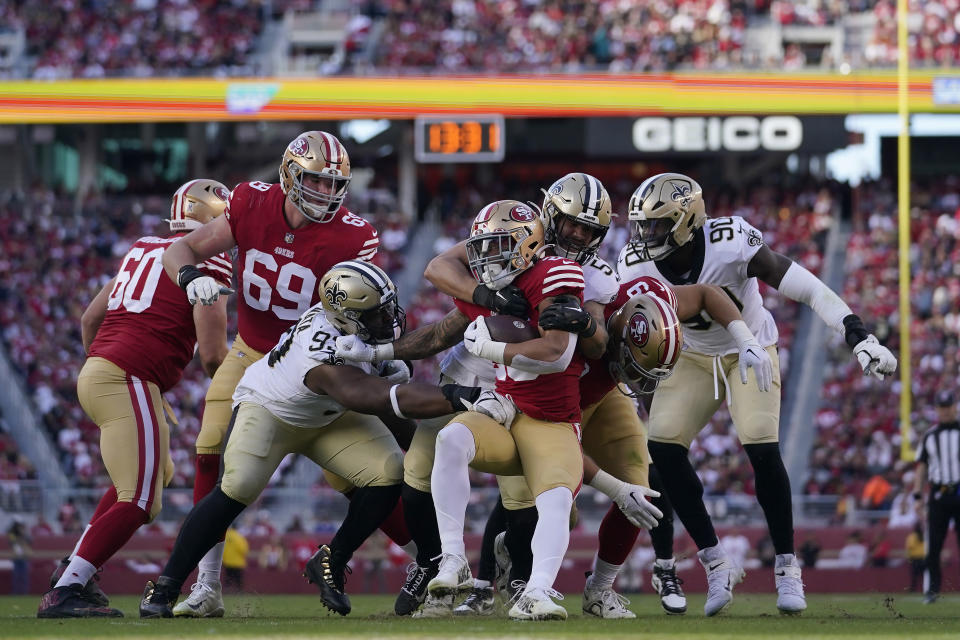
{"points": [[273, 555], [765, 551], [69, 518], [41, 528], [810, 551], [854, 553], [20, 552], [374, 555], [876, 493], [235, 550], [916, 552], [880, 550]]}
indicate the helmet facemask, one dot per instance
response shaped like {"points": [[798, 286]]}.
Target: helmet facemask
{"points": [[493, 258], [384, 323], [315, 204], [640, 381], [567, 247], [645, 343], [654, 238]]}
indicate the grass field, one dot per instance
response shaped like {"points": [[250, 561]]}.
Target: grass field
{"points": [[753, 617]]}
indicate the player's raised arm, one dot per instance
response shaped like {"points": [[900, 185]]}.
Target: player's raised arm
{"points": [[797, 283]]}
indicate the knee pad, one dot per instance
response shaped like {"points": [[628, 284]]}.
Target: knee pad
{"points": [[455, 442]]}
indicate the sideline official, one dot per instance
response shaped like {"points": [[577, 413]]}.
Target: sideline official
{"points": [[938, 459]]}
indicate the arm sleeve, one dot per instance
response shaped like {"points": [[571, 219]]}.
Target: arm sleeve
{"points": [[801, 285]]}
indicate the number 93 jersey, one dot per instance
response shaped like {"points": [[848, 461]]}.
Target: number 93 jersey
{"points": [[279, 267], [722, 250], [275, 382]]}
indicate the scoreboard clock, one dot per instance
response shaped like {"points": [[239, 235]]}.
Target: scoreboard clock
{"points": [[459, 138]]}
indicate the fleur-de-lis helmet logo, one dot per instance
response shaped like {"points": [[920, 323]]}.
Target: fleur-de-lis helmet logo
{"points": [[335, 295], [681, 194]]}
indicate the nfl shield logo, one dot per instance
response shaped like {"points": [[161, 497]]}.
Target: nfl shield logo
{"points": [[288, 238]]}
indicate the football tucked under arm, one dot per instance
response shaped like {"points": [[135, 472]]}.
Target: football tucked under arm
{"points": [[511, 329]]}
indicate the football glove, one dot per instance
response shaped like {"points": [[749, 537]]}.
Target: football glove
{"points": [[565, 314], [395, 371], [477, 340], [508, 301], [874, 358], [631, 499], [460, 397], [354, 349], [753, 355], [496, 406], [200, 287]]}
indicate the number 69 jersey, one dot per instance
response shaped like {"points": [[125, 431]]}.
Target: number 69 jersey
{"points": [[275, 382], [722, 250], [148, 314], [279, 267]]}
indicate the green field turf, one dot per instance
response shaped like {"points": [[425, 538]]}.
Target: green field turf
{"points": [[873, 616]]}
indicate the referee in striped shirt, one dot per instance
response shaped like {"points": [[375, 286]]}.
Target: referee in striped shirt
{"points": [[938, 462]]}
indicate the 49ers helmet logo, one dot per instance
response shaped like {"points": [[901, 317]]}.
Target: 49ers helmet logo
{"points": [[299, 147], [222, 193], [639, 329], [521, 214]]}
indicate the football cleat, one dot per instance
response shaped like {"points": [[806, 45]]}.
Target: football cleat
{"points": [[538, 604], [453, 576], [502, 566], [480, 602], [205, 601], [722, 576], [71, 601], [92, 591], [330, 578], [666, 583], [790, 598], [414, 589], [930, 597], [436, 607], [604, 603], [158, 599]]}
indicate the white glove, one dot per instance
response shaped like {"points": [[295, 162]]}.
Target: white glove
{"points": [[395, 371], [492, 404], [204, 290], [476, 338], [875, 359], [641, 513], [753, 355], [354, 349], [630, 498]]}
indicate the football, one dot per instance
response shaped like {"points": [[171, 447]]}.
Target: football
{"points": [[511, 329]]}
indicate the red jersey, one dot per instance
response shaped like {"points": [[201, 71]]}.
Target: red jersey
{"points": [[148, 330], [597, 381], [553, 397], [280, 267]]}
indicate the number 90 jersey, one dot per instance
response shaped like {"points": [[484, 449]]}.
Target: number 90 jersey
{"points": [[275, 382], [279, 267], [148, 314], [722, 250]]}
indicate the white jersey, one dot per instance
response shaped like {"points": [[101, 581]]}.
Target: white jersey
{"points": [[600, 285], [722, 251], [275, 381]]}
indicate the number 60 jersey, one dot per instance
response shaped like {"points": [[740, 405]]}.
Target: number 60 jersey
{"points": [[148, 330], [722, 250]]}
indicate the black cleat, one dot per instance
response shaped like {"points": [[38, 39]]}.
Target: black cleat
{"points": [[414, 590], [158, 599], [71, 602], [91, 590], [330, 578]]}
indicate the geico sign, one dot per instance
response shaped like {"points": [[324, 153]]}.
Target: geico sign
{"points": [[739, 133]]}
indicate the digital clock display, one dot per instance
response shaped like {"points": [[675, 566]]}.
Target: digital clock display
{"points": [[459, 138]]}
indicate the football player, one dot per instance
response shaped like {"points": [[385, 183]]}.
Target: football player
{"points": [[286, 236], [302, 399], [138, 312], [673, 239], [540, 376]]}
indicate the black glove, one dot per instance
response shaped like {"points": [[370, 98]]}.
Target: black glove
{"points": [[854, 331], [456, 394], [187, 274], [509, 301], [565, 314]]}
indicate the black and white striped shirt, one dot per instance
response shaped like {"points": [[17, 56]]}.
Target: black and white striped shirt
{"points": [[940, 451]]}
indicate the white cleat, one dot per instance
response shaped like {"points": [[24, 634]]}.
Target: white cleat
{"points": [[205, 601], [667, 584], [435, 607], [790, 598], [538, 604], [453, 577], [722, 576], [605, 603], [502, 565]]}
